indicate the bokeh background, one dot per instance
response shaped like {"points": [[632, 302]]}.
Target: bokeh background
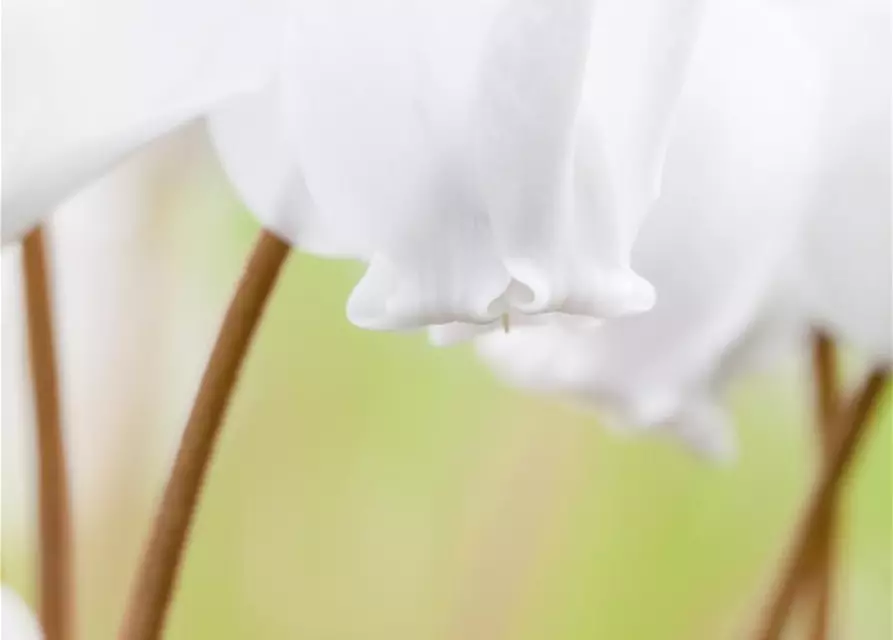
{"points": [[370, 486]]}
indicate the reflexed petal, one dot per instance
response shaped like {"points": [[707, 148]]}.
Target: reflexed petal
{"points": [[448, 149], [614, 67], [367, 119], [530, 87], [849, 253], [715, 247], [445, 270], [848, 283], [18, 622], [253, 143], [381, 107], [359, 155], [640, 57], [88, 81], [370, 110]]}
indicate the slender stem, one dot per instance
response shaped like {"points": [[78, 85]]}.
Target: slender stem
{"points": [[54, 512], [821, 580], [851, 427], [827, 401], [828, 391], [157, 573]]}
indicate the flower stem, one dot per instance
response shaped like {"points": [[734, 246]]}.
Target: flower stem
{"points": [[820, 577], [852, 426], [54, 511], [157, 573]]}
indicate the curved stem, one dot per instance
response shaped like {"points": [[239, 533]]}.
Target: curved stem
{"points": [[55, 515], [823, 573], [157, 573], [853, 422], [821, 577]]}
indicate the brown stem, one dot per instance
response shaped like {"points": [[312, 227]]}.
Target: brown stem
{"points": [[821, 578], [823, 572], [157, 573], [827, 401], [55, 523], [54, 512], [828, 392], [851, 427]]}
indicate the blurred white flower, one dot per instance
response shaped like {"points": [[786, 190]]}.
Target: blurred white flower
{"points": [[847, 259], [85, 82], [739, 161], [17, 622], [441, 143]]}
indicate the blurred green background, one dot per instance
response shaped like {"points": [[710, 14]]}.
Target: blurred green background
{"points": [[369, 486]]}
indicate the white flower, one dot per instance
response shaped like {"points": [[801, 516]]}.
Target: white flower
{"points": [[16, 620], [439, 142], [85, 82], [715, 247], [847, 260]]}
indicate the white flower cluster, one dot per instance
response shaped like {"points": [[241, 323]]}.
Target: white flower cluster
{"points": [[650, 194]]}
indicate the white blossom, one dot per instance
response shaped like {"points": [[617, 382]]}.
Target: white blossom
{"points": [[716, 247], [440, 142]]}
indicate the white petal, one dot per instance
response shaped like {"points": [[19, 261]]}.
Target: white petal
{"points": [[251, 136], [364, 145], [378, 109], [848, 261], [18, 622], [637, 67], [359, 92], [355, 152], [566, 207], [442, 270], [715, 246], [88, 81]]}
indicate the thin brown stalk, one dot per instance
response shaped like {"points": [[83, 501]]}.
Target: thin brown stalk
{"points": [[821, 579], [852, 426], [828, 390], [157, 573], [821, 582], [827, 401], [54, 512]]}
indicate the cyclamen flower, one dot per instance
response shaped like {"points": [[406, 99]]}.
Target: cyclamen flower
{"points": [[18, 623], [735, 188], [437, 142], [440, 143], [86, 83]]}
